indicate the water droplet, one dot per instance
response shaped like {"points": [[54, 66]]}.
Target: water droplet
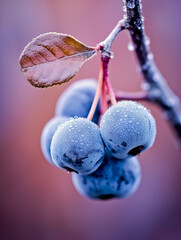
{"points": [[125, 115], [131, 4], [145, 86], [150, 56], [131, 46], [125, 17], [142, 19], [124, 8], [147, 41]]}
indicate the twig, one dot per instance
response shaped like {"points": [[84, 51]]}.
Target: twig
{"points": [[135, 96], [106, 45]]}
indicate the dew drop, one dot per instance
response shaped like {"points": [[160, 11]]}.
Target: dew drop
{"points": [[71, 118], [124, 9], [131, 46], [147, 41], [125, 17], [150, 56], [131, 4]]}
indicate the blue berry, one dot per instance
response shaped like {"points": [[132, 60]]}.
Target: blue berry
{"points": [[77, 100], [115, 178], [127, 128], [47, 134], [77, 146]]}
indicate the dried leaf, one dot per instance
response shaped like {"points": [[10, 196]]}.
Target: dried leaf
{"points": [[53, 58]]}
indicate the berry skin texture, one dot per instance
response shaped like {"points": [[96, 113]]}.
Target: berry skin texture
{"points": [[77, 100], [47, 134], [115, 178], [127, 128], [77, 146]]}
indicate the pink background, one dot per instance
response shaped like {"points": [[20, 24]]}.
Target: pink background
{"points": [[38, 201]]}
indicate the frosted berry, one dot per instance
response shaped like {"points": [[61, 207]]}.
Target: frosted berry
{"points": [[47, 134], [77, 146], [115, 178], [127, 129], [77, 100]]}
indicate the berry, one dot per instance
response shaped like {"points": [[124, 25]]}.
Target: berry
{"points": [[47, 134], [77, 146], [115, 178], [77, 100], [127, 128]]}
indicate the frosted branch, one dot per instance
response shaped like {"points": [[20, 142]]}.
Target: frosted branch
{"points": [[154, 83]]}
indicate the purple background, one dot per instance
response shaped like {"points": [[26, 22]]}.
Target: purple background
{"points": [[38, 200]]}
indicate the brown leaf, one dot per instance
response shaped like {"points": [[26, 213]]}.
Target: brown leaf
{"points": [[53, 58]]}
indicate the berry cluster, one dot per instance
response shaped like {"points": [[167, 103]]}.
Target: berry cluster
{"points": [[102, 158]]}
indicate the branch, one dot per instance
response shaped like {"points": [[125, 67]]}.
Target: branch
{"points": [[156, 86], [135, 96], [106, 45]]}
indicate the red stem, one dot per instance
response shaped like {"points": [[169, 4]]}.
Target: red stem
{"points": [[97, 94], [106, 80], [104, 104]]}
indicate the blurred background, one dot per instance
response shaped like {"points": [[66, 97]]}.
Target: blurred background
{"points": [[38, 201]]}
